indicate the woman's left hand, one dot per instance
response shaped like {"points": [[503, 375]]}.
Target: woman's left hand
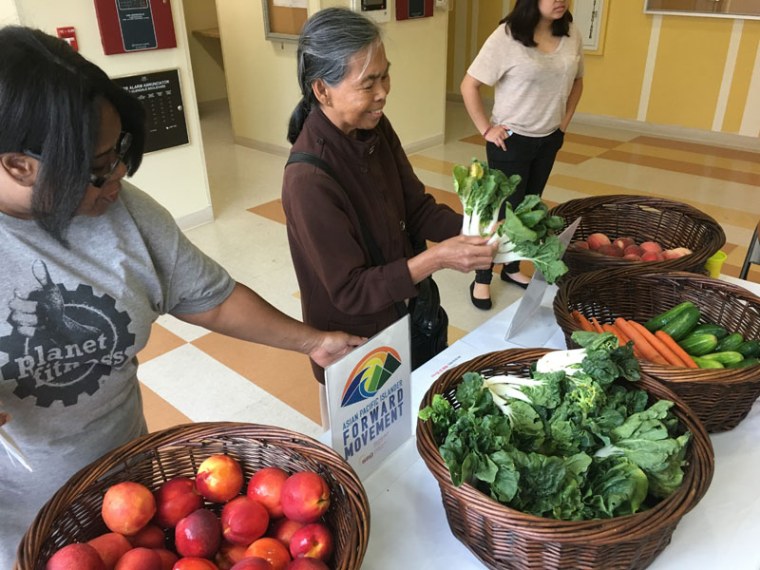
{"points": [[332, 346], [466, 253]]}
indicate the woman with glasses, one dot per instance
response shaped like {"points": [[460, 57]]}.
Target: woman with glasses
{"points": [[88, 264]]}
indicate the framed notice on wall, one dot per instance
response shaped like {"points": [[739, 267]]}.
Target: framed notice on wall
{"points": [[590, 16], [283, 19], [161, 96]]}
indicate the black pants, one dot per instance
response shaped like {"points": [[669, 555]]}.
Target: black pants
{"points": [[530, 157]]}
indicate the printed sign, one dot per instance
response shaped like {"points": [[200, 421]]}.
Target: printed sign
{"points": [[368, 397]]}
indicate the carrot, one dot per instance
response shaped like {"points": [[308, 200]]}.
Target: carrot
{"points": [[675, 347], [596, 325], [582, 321], [670, 356], [640, 344], [607, 327], [621, 334]]}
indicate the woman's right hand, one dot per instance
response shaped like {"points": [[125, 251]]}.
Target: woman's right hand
{"points": [[498, 135]]}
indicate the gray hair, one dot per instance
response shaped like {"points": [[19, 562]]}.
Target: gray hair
{"points": [[328, 42]]}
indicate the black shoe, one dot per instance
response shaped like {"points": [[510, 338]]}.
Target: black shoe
{"points": [[505, 277], [482, 304]]}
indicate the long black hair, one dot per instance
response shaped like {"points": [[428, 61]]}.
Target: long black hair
{"points": [[524, 18], [328, 41], [50, 99]]}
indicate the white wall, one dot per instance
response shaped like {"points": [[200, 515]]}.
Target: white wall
{"points": [[8, 13], [205, 52], [176, 177], [263, 90]]}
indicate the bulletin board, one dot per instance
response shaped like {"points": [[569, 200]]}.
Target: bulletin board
{"points": [[283, 19]]}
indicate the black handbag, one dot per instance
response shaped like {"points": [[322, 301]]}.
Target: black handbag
{"points": [[429, 322]]}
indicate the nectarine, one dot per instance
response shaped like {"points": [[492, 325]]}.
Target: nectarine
{"points": [[127, 507], [219, 478], [307, 564], [76, 556], [194, 563], [271, 550], [199, 534], [168, 558], [111, 546], [305, 497], [597, 240], [253, 563], [283, 529], [176, 499], [312, 541], [149, 536], [244, 520], [266, 487], [139, 559]]}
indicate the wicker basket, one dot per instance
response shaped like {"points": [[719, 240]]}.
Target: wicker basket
{"points": [[502, 537], [721, 398], [73, 514], [645, 218]]}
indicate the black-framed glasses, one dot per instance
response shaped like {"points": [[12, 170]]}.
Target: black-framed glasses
{"points": [[121, 149]]}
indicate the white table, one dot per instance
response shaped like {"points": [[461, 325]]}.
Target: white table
{"points": [[409, 527]]}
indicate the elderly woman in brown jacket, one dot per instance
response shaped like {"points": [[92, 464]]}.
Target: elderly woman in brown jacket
{"points": [[344, 78]]}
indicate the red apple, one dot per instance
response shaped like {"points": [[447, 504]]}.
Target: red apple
{"points": [[219, 478], [168, 558], [651, 246], [149, 536], [253, 563], [244, 520], [266, 487], [139, 559], [127, 507], [194, 563], [176, 499], [199, 534], [312, 541], [597, 240], [111, 546], [283, 529], [77, 556], [307, 564], [305, 497]]}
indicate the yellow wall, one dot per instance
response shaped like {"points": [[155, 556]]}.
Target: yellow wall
{"points": [[691, 79], [263, 90], [205, 52]]}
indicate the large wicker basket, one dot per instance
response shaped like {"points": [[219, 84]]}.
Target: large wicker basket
{"points": [[504, 538], [721, 398], [73, 514], [645, 218]]}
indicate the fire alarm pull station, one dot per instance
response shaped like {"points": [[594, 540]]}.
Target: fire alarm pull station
{"points": [[408, 9], [377, 10], [69, 34], [135, 25]]}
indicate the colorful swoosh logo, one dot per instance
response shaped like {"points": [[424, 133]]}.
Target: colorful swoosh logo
{"points": [[370, 375]]}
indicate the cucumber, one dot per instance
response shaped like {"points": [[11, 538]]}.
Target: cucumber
{"points": [[731, 342], [749, 348], [707, 362], [709, 328], [659, 321], [745, 363], [697, 344], [681, 325], [725, 357]]}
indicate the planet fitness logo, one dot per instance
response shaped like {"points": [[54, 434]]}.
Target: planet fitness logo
{"points": [[370, 375], [63, 342]]}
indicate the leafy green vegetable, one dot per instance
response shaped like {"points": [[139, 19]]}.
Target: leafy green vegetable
{"points": [[482, 192], [572, 442]]}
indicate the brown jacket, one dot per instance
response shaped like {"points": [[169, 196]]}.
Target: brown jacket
{"points": [[340, 289]]}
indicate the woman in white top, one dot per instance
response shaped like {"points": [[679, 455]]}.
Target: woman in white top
{"points": [[534, 61]]}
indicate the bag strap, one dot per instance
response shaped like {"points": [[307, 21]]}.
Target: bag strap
{"points": [[376, 255]]}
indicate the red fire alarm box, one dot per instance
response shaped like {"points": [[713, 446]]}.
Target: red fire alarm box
{"points": [[407, 9], [69, 34], [135, 25]]}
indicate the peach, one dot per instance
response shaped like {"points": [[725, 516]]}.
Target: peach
{"points": [[150, 536], [579, 244], [194, 563], [219, 478], [632, 257], [270, 549], [283, 530], [312, 541], [176, 499], [244, 520], [199, 534], [140, 559], [77, 556], [610, 250], [623, 242], [307, 564], [597, 240], [229, 554], [111, 546], [253, 563], [168, 558], [676, 252], [651, 256], [127, 507], [266, 487], [305, 497], [651, 246], [633, 249]]}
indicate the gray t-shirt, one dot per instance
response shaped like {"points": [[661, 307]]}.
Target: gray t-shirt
{"points": [[530, 87], [71, 387]]}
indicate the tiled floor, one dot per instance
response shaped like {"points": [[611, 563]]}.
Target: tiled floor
{"points": [[189, 374]]}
